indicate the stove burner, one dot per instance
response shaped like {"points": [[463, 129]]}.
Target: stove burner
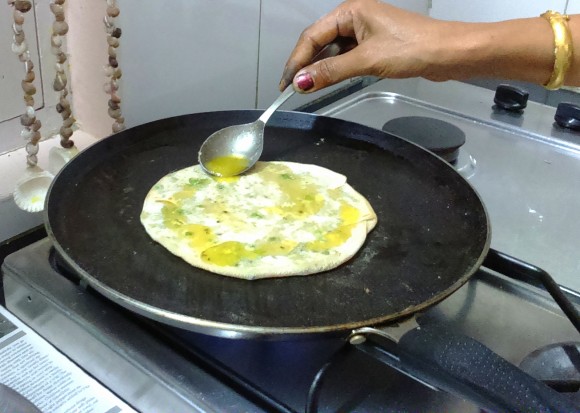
{"points": [[440, 137], [557, 365]]}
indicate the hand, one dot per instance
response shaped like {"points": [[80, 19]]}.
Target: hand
{"points": [[390, 42], [393, 43]]}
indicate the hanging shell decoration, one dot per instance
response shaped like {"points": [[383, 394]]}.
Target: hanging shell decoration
{"points": [[112, 70], [31, 189]]}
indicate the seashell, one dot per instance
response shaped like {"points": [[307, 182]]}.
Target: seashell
{"points": [[114, 113], [26, 133], [29, 100], [59, 82], [65, 133], [18, 17], [117, 73], [113, 41], [108, 70], [113, 11], [30, 191], [59, 28], [28, 88], [61, 58], [24, 56], [56, 40], [32, 160], [67, 143], [23, 5], [56, 8], [18, 38], [16, 28], [31, 149], [58, 157], [68, 122], [118, 127], [29, 77], [19, 48], [64, 104]]}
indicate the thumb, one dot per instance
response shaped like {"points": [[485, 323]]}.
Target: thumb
{"points": [[329, 71]]}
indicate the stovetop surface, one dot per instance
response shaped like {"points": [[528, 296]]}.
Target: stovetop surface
{"points": [[525, 168], [206, 373]]}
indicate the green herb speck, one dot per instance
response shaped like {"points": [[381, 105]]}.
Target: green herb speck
{"points": [[198, 181]]}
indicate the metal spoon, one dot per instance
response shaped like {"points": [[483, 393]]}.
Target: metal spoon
{"points": [[240, 146], [244, 142]]}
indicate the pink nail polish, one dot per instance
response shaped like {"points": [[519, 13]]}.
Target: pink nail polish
{"points": [[304, 81]]}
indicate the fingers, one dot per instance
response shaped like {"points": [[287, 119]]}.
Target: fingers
{"points": [[330, 71], [313, 40], [338, 46]]}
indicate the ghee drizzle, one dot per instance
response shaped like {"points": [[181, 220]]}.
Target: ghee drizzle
{"points": [[301, 199]]}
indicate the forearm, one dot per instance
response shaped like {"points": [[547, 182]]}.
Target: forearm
{"points": [[521, 49]]}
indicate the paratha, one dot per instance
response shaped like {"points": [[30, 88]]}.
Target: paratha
{"points": [[279, 219]]}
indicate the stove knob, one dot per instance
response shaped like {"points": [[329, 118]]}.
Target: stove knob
{"points": [[511, 98], [568, 116]]}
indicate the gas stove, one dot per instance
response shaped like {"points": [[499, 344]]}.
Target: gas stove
{"points": [[526, 170]]}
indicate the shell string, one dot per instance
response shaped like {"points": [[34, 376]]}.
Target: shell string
{"points": [[31, 189], [112, 70], [30, 125], [63, 107]]}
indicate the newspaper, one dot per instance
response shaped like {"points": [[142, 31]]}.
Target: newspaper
{"points": [[41, 374]]}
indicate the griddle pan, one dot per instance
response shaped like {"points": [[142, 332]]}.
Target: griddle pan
{"points": [[432, 233]]}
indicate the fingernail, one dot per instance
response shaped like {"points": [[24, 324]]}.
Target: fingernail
{"points": [[304, 81]]}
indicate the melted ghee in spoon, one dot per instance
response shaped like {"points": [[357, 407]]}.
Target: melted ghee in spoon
{"points": [[229, 165]]}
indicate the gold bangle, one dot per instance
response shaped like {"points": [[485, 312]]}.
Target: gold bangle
{"points": [[563, 48]]}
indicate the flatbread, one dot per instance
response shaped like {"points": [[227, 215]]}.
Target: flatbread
{"points": [[280, 219]]}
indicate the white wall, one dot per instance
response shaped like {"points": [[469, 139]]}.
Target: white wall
{"points": [[281, 24], [187, 56], [87, 47], [573, 7], [491, 10]]}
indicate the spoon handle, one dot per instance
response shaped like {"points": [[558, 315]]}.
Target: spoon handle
{"points": [[289, 91], [338, 46]]}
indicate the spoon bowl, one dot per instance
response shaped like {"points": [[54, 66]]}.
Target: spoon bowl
{"points": [[235, 149]]}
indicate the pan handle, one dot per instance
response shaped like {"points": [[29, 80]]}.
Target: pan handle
{"points": [[463, 366], [520, 270], [483, 375]]}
